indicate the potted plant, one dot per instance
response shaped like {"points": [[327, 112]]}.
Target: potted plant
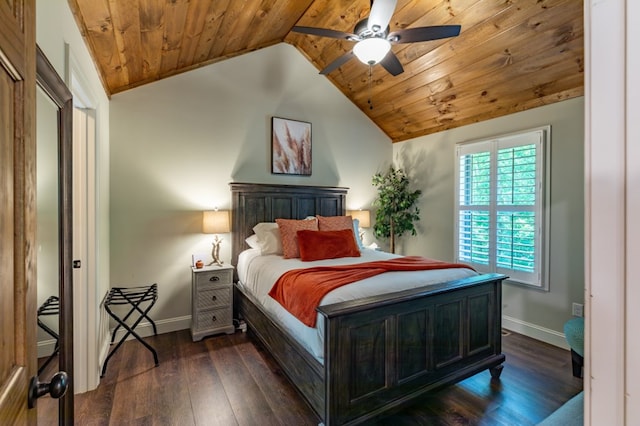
{"points": [[396, 205]]}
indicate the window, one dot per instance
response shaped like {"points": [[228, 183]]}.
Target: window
{"points": [[500, 206]]}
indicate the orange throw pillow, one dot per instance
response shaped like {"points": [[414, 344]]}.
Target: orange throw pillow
{"points": [[334, 223], [318, 245], [288, 229]]}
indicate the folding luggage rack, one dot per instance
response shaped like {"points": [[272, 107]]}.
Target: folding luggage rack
{"points": [[136, 297], [51, 306]]}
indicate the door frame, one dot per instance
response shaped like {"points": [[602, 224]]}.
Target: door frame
{"points": [[86, 295], [50, 82]]}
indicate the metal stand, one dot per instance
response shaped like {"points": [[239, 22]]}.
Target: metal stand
{"points": [[51, 306], [133, 296]]}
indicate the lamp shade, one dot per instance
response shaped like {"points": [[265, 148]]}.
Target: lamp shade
{"points": [[363, 216], [216, 222], [370, 51]]}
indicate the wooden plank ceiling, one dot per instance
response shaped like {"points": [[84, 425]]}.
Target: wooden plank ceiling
{"points": [[511, 55]]}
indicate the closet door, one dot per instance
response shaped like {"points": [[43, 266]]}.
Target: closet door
{"points": [[17, 209]]}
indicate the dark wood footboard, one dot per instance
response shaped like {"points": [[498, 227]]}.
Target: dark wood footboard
{"points": [[384, 352], [381, 352]]}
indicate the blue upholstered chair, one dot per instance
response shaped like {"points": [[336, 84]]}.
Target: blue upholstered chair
{"points": [[574, 333]]}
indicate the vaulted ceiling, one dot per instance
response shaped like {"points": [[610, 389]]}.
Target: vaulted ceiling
{"points": [[511, 55]]}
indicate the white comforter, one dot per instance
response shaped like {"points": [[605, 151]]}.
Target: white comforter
{"points": [[257, 274]]}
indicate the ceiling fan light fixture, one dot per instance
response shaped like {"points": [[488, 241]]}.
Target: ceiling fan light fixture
{"points": [[372, 50]]}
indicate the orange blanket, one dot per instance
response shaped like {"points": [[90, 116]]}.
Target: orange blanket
{"points": [[300, 291]]}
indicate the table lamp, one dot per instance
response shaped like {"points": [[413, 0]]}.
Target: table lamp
{"points": [[216, 222], [364, 220]]}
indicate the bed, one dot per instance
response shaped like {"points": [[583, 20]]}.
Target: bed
{"points": [[379, 352]]}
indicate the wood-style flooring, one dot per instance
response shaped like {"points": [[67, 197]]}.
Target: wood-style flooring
{"points": [[230, 380]]}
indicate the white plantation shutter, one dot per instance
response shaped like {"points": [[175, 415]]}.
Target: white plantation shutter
{"points": [[473, 218], [500, 206]]}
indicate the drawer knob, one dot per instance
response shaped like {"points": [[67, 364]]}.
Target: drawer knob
{"points": [[214, 298], [214, 319], [214, 279]]}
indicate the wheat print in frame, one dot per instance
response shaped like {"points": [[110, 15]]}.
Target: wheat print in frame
{"points": [[290, 147]]}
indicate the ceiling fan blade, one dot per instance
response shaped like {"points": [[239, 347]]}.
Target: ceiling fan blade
{"points": [[324, 32], [391, 63], [380, 15], [341, 60], [412, 35]]}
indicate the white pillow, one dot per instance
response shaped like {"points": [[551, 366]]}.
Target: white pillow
{"points": [[356, 232], [253, 241], [268, 238]]}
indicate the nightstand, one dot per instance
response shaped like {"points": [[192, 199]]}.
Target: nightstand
{"points": [[211, 301]]}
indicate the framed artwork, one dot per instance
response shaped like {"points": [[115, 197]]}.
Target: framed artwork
{"points": [[290, 147]]}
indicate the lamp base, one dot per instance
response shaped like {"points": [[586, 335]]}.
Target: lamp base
{"points": [[215, 252]]}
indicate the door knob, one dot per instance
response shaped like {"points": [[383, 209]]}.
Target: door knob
{"points": [[57, 387]]}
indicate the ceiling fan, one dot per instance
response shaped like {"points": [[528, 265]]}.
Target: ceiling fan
{"points": [[373, 39]]}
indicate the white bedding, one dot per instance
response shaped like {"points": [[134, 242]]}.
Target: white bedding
{"points": [[257, 274]]}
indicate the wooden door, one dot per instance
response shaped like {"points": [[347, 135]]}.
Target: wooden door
{"points": [[17, 209]]}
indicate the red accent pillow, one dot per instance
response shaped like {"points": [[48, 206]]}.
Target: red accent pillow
{"points": [[288, 229], [318, 245]]}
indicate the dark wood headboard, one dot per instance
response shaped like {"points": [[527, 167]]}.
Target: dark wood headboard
{"points": [[252, 203]]}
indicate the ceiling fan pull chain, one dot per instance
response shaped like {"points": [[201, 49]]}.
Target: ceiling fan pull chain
{"points": [[369, 100]]}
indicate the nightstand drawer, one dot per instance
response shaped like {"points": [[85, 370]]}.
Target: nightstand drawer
{"points": [[215, 277], [214, 297], [214, 318]]}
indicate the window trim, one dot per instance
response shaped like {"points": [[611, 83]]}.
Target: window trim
{"points": [[544, 161]]}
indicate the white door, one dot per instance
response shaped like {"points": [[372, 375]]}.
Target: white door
{"points": [[84, 292]]}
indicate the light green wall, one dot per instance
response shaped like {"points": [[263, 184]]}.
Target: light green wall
{"points": [[55, 27], [47, 204], [430, 162], [177, 143]]}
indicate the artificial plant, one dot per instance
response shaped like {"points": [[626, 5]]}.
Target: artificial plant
{"points": [[396, 205]]}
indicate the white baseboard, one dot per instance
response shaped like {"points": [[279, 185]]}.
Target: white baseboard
{"points": [[46, 347], [535, 331], [145, 329]]}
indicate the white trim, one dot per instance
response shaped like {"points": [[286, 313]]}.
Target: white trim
{"points": [[104, 336], [606, 215], [587, 214], [83, 96], [540, 137], [46, 347], [632, 343], [534, 331], [144, 329], [81, 290], [86, 321]]}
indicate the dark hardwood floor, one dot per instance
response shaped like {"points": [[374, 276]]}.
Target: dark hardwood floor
{"points": [[229, 380]]}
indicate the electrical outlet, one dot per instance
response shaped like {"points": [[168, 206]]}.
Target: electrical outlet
{"points": [[577, 309]]}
